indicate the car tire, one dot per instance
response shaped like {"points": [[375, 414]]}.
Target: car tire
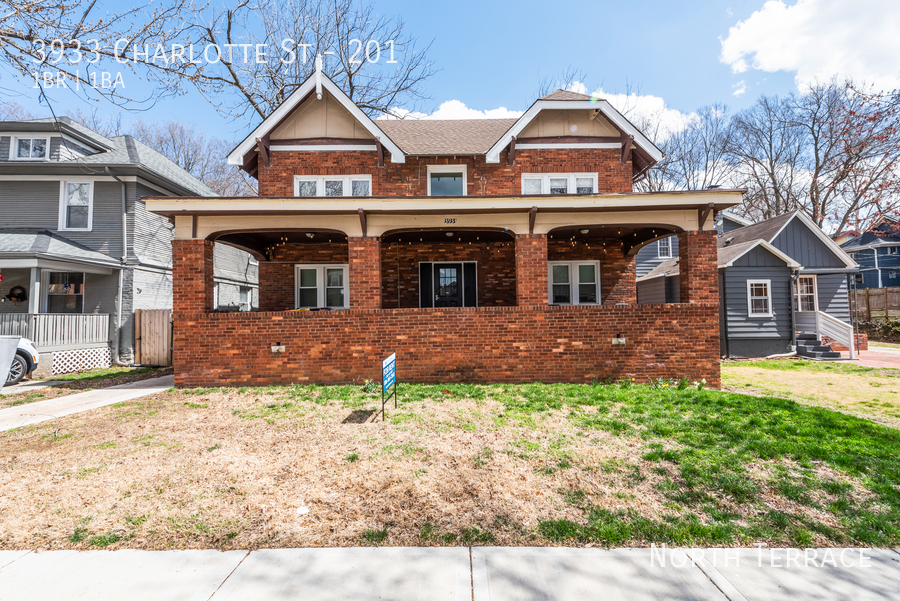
{"points": [[17, 370]]}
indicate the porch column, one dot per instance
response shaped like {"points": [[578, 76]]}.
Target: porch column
{"points": [[531, 269], [192, 276], [365, 272], [698, 267], [34, 291]]}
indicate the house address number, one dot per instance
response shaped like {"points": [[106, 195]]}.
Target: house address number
{"points": [[450, 220]]}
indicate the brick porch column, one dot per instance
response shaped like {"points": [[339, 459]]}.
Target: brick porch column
{"points": [[365, 272], [531, 269], [698, 266], [192, 276]]}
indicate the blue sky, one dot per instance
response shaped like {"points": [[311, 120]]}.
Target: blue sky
{"points": [[681, 54]]}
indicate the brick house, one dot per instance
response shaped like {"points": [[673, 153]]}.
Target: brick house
{"points": [[494, 250]]}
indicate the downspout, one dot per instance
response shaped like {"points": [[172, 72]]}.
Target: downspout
{"points": [[793, 312], [878, 271], [115, 354]]}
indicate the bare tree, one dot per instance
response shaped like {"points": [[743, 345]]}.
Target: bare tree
{"points": [[201, 156], [13, 111], [561, 81]]}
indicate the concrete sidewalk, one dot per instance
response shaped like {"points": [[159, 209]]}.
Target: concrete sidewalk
{"points": [[40, 411], [457, 574], [29, 386]]}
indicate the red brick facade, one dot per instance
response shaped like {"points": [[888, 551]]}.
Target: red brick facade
{"points": [[531, 270], [698, 266], [192, 275], [411, 178], [365, 272], [491, 344]]}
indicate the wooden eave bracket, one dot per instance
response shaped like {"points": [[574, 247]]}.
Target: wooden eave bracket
{"points": [[362, 222], [703, 214], [512, 152], [264, 153], [380, 152], [532, 215], [627, 143]]}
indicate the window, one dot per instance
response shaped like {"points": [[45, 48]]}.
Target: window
{"points": [[574, 282], [447, 180], [805, 293], [245, 294], [859, 279], [65, 292], [664, 248], [759, 298], [892, 250], [29, 149], [320, 286], [559, 183], [76, 205], [333, 185]]}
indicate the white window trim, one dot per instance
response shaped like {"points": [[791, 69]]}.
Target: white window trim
{"points": [[545, 180], [320, 183], [14, 148], [815, 292], [448, 169], [573, 280], [659, 248], [62, 206], [320, 282], [768, 284]]}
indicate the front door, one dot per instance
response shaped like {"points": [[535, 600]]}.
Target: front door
{"points": [[448, 290]]}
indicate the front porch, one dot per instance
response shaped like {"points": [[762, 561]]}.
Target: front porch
{"points": [[490, 294]]}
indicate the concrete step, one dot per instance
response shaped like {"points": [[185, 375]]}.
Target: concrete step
{"points": [[813, 348]]}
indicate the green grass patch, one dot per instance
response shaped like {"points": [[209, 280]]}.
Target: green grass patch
{"points": [[101, 374], [374, 536]]}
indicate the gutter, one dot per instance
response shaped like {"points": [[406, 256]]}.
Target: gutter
{"points": [[116, 360]]}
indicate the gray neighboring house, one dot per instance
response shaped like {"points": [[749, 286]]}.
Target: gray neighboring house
{"points": [[878, 253], [79, 252], [782, 288]]}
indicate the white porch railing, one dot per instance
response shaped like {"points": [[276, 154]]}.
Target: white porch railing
{"points": [[823, 324], [57, 331]]}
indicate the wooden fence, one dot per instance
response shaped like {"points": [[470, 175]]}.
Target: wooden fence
{"points": [[153, 336], [57, 331], [877, 303]]}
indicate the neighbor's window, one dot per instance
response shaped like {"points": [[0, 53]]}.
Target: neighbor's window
{"points": [[859, 279], [664, 248], [65, 292], [30, 148], [574, 282], [446, 180], [559, 183], [245, 294], [759, 298], [805, 293], [333, 185], [320, 286], [76, 206]]}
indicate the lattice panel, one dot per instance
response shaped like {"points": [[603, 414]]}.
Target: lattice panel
{"points": [[65, 362]]}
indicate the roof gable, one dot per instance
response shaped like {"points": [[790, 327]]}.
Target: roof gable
{"points": [[445, 137], [565, 95]]}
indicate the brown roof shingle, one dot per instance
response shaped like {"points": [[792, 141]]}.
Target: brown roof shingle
{"points": [[445, 137], [565, 95]]}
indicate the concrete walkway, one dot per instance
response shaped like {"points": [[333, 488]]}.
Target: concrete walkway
{"points": [[41, 411], [29, 386], [454, 574]]}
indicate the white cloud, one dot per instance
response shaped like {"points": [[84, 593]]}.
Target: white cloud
{"points": [[578, 87], [818, 39], [739, 88], [649, 113], [455, 109]]}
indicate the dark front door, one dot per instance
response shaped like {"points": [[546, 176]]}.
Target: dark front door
{"points": [[448, 290]]}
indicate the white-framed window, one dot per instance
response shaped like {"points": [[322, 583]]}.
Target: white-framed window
{"points": [[320, 286], [332, 185], [893, 250], [29, 149], [559, 183], [759, 298], [664, 248], [447, 180], [573, 282], [245, 297], [76, 205], [65, 292], [805, 293]]}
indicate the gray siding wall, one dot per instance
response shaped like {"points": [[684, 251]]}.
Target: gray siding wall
{"points": [[229, 263], [152, 289], [833, 296], [150, 236], [35, 205], [651, 292], [4, 147], [648, 257], [799, 243], [740, 324], [759, 257], [67, 150]]}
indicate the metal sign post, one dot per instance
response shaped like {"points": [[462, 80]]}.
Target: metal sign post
{"points": [[388, 381]]}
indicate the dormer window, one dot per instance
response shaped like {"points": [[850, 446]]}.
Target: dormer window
{"points": [[30, 149]]}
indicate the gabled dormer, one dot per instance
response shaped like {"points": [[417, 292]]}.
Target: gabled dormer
{"points": [[48, 140]]}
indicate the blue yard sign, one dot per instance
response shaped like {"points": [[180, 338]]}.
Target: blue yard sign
{"points": [[388, 381]]}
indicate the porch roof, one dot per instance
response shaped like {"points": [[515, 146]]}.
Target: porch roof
{"points": [[45, 245]]}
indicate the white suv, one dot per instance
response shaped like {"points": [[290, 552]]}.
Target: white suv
{"points": [[25, 362]]}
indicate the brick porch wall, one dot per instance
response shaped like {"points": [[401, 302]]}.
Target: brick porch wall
{"points": [[531, 269], [698, 266], [491, 344]]}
